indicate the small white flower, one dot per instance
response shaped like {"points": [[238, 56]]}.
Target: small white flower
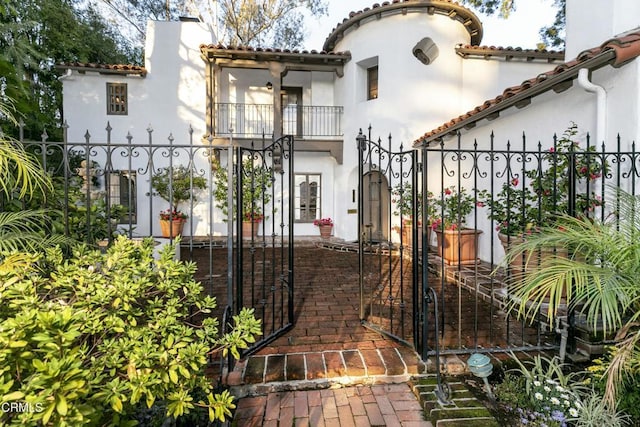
{"points": [[573, 412], [538, 396], [547, 388], [560, 388], [567, 403], [537, 383], [555, 401], [564, 396]]}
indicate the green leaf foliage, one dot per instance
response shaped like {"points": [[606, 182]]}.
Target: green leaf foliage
{"points": [[95, 338]]}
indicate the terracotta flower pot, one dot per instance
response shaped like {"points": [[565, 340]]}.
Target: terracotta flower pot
{"points": [[171, 228], [527, 263], [325, 231], [250, 228], [458, 246]]}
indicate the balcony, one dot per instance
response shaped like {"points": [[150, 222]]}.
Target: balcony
{"points": [[303, 122]]}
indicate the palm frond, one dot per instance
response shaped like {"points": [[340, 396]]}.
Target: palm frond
{"points": [[22, 231]]}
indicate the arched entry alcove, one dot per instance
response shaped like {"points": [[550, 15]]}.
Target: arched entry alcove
{"points": [[376, 212]]}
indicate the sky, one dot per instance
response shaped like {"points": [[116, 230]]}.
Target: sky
{"points": [[520, 30]]}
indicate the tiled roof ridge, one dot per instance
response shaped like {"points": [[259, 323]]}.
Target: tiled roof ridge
{"points": [[454, 6], [221, 46], [625, 47], [131, 68]]}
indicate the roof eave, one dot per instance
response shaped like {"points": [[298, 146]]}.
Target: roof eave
{"points": [[82, 69]]}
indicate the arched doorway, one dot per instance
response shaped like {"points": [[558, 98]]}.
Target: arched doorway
{"points": [[377, 207]]}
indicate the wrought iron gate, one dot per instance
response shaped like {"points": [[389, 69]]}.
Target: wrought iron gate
{"points": [[263, 248], [389, 212]]}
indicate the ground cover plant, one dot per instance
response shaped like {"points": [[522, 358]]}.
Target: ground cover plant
{"points": [[91, 339]]}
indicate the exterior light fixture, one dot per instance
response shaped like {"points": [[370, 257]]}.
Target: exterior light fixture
{"points": [[480, 366], [269, 85]]}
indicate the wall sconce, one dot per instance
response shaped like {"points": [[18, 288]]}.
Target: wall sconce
{"points": [[269, 85]]}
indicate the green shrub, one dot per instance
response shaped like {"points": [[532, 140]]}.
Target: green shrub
{"points": [[87, 341]]}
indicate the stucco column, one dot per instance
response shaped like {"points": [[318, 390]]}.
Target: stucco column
{"points": [[276, 70]]}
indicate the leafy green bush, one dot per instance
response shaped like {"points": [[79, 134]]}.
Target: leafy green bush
{"points": [[87, 341]]}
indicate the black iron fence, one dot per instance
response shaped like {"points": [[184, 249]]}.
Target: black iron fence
{"points": [[440, 223], [165, 188]]}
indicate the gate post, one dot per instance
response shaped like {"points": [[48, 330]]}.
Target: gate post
{"points": [[361, 142]]}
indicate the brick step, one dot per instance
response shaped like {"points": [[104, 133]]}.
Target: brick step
{"points": [[463, 408], [317, 370]]}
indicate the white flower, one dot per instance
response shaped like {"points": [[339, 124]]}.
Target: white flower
{"points": [[538, 396], [537, 383], [564, 396], [547, 389], [555, 401], [567, 403], [573, 412], [560, 388]]}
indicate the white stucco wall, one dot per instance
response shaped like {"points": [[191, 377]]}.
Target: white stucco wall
{"points": [[591, 22], [169, 99]]}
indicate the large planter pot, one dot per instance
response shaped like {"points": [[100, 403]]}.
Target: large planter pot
{"points": [[407, 234], [250, 228], [528, 262], [521, 266], [171, 228], [325, 231], [458, 246]]}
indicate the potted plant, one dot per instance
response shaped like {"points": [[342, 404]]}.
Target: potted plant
{"points": [[325, 225], [176, 185], [402, 199], [456, 243], [258, 179]]}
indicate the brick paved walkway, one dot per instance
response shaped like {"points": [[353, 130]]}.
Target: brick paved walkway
{"points": [[377, 405]]}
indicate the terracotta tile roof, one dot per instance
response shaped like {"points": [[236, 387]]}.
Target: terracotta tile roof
{"points": [[442, 7], [229, 48], [104, 68], [615, 52], [488, 52]]}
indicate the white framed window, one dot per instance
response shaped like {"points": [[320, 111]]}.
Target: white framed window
{"points": [[117, 99], [367, 74], [122, 195], [307, 197]]}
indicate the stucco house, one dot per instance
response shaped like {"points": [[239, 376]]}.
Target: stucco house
{"points": [[407, 68]]}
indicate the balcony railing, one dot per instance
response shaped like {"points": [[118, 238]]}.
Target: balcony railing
{"points": [[254, 120]]}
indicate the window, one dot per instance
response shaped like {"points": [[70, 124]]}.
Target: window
{"points": [[117, 99], [372, 82], [122, 195], [307, 203]]}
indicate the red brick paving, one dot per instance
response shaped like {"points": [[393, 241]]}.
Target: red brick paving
{"points": [[377, 405]]}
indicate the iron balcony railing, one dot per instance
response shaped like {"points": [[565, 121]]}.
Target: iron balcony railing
{"points": [[255, 120]]}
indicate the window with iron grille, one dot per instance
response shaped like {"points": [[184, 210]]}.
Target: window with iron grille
{"points": [[117, 101], [122, 194], [372, 82], [307, 200]]}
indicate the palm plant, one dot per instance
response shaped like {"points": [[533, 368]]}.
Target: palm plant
{"points": [[21, 176], [599, 278]]}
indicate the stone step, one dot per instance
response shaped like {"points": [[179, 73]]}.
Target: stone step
{"points": [[463, 408]]}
